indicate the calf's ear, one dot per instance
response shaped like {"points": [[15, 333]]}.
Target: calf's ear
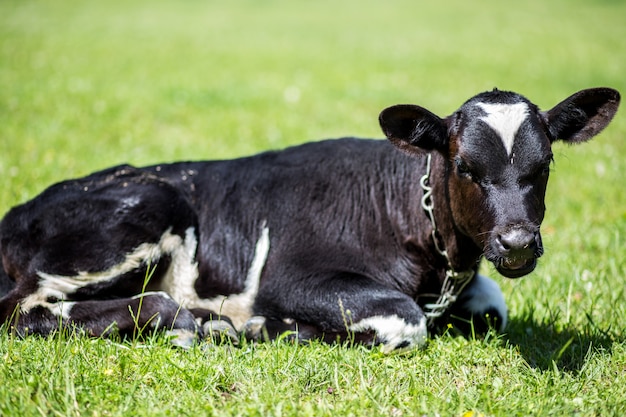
{"points": [[413, 129], [583, 115]]}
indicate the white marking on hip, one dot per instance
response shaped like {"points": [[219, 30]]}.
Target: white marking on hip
{"points": [[505, 120], [58, 287], [393, 331], [180, 281]]}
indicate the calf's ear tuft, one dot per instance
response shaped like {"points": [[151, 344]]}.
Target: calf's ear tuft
{"points": [[583, 115], [413, 129]]}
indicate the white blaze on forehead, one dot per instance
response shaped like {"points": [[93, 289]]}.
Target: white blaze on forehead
{"points": [[505, 120]]}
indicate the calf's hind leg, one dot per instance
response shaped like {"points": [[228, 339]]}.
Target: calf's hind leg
{"points": [[133, 316], [83, 249]]}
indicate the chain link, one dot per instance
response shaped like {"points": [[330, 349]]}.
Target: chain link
{"points": [[455, 281]]}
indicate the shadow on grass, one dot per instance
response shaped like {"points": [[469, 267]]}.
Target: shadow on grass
{"points": [[545, 343]]}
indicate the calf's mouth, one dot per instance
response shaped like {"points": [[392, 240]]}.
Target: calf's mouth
{"points": [[515, 268], [514, 250]]}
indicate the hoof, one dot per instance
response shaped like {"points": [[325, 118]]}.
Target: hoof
{"points": [[254, 329], [220, 331], [181, 338]]}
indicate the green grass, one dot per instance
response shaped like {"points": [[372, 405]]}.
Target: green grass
{"points": [[78, 376], [87, 84]]}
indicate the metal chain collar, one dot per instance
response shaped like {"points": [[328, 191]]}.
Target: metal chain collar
{"points": [[455, 281]]}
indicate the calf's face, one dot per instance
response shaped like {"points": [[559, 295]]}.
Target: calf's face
{"points": [[500, 157], [497, 149]]}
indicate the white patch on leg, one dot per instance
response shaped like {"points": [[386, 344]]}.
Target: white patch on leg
{"points": [[394, 332], [505, 120], [483, 294], [61, 309], [180, 280], [58, 287]]}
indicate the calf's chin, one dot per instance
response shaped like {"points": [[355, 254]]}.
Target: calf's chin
{"points": [[517, 270]]}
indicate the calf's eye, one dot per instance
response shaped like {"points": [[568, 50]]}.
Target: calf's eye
{"points": [[462, 169], [541, 171], [538, 173]]}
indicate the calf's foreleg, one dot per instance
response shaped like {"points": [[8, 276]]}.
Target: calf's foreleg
{"points": [[342, 305]]}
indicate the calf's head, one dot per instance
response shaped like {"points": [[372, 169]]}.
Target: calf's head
{"points": [[497, 152]]}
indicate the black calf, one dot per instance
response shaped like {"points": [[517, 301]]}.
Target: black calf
{"points": [[325, 239]]}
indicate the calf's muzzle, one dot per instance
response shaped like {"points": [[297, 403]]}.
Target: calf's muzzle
{"points": [[515, 249]]}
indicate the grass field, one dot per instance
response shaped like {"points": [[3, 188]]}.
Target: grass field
{"points": [[89, 84]]}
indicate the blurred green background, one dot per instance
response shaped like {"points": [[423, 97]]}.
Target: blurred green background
{"points": [[87, 84]]}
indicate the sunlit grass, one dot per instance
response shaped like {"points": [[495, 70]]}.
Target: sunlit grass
{"points": [[86, 84]]}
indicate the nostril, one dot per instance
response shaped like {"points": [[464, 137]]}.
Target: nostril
{"points": [[516, 240], [503, 243]]}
